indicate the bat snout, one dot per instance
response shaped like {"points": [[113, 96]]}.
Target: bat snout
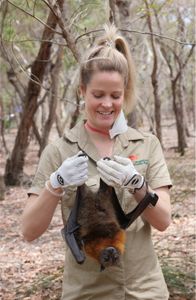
{"points": [[109, 257]]}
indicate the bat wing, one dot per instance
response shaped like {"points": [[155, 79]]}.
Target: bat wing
{"points": [[125, 220], [70, 230]]}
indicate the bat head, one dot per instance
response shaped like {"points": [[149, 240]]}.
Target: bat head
{"points": [[109, 257]]}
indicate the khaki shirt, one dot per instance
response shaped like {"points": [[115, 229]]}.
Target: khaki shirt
{"points": [[139, 276]]}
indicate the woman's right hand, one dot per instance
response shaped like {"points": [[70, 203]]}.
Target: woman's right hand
{"points": [[73, 171]]}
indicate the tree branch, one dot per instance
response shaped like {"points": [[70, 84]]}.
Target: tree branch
{"points": [[59, 10], [139, 32], [36, 18]]}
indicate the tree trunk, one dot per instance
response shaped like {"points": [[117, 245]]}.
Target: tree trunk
{"points": [[154, 77], [178, 111], [2, 128], [157, 108], [113, 15], [15, 163], [2, 188]]}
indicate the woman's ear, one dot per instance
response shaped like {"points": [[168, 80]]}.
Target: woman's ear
{"points": [[81, 93], [82, 90]]}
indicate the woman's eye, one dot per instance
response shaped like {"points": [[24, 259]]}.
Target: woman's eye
{"points": [[115, 96], [98, 96]]}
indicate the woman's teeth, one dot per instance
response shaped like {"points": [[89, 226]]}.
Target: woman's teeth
{"points": [[105, 113]]}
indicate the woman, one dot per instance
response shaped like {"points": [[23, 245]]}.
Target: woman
{"points": [[107, 83]]}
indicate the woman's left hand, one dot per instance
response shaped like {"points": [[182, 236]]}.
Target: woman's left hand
{"points": [[120, 172]]}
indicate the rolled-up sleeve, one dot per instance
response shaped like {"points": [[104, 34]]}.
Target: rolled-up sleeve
{"points": [[157, 172], [49, 161]]}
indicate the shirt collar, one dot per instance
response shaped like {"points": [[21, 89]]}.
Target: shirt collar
{"points": [[130, 135], [79, 135]]}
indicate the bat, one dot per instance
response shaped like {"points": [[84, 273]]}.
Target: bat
{"points": [[97, 225]]}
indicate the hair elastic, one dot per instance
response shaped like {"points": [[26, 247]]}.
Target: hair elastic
{"points": [[52, 192], [109, 43]]}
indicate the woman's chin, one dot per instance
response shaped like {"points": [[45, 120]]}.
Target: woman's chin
{"points": [[105, 123], [105, 126]]}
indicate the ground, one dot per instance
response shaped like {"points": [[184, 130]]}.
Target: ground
{"points": [[34, 270]]}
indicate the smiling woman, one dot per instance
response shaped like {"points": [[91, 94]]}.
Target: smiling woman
{"points": [[107, 83]]}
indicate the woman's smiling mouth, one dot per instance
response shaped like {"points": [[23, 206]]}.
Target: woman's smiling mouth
{"points": [[105, 113]]}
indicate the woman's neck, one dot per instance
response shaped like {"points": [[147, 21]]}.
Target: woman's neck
{"points": [[96, 131], [101, 140]]}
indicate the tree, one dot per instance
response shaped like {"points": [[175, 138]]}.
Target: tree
{"points": [[15, 163], [177, 93]]}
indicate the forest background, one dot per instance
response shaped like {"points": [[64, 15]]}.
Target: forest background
{"points": [[40, 47]]}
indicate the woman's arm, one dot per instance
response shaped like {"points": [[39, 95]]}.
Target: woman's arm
{"points": [[39, 210], [160, 215], [38, 213]]}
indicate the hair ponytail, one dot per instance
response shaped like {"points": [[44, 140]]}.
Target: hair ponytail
{"points": [[130, 90]]}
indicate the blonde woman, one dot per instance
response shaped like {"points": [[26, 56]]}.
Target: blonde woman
{"points": [[107, 83]]}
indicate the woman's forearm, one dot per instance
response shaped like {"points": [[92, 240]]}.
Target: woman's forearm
{"points": [[38, 214], [160, 215]]}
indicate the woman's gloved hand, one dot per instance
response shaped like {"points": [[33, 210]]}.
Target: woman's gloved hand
{"points": [[73, 171], [120, 172]]}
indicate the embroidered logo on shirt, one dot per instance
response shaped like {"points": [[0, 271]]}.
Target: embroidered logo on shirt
{"points": [[137, 162], [141, 162]]}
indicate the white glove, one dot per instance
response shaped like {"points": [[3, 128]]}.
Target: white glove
{"points": [[73, 171], [120, 172]]}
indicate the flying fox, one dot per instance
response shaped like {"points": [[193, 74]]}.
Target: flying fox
{"points": [[97, 225]]}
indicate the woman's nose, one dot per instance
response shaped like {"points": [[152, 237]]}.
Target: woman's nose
{"points": [[107, 102]]}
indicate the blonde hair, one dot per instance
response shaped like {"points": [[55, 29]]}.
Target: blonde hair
{"points": [[111, 53]]}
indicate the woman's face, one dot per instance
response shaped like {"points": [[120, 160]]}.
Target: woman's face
{"points": [[104, 96]]}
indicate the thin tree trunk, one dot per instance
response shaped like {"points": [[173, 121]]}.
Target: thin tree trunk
{"points": [[59, 118], [2, 127], [53, 100], [113, 15], [154, 78], [179, 119], [2, 188]]}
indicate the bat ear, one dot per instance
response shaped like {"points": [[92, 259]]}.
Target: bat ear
{"points": [[103, 186]]}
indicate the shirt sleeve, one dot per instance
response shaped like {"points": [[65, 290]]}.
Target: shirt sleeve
{"points": [[157, 172], [50, 161]]}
